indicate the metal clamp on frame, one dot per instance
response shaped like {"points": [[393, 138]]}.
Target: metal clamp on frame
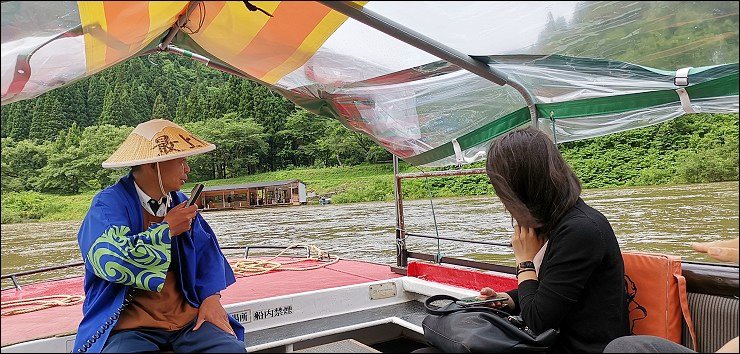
{"points": [[682, 77], [460, 158], [681, 80]]}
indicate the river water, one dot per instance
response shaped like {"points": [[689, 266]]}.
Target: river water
{"points": [[656, 219]]}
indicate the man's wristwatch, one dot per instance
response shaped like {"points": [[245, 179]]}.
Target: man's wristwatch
{"points": [[525, 266]]}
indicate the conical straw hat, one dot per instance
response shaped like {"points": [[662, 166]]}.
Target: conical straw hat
{"points": [[155, 141]]}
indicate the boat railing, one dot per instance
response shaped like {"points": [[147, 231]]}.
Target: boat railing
{"points": [[14, 277], [705, 278], [458, 261], [402, 253], [306, 247]]}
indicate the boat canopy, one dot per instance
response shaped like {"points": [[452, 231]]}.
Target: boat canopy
{"points": [[431, 82]]}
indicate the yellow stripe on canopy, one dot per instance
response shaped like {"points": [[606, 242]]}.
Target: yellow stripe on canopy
{"points": [[92, 14], [228, 27], [162, 15]]}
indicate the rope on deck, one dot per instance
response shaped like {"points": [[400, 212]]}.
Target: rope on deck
{"points": [[17, 307], [249, 267]]}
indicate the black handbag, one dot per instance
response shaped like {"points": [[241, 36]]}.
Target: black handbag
{"points": [[479, 329]]}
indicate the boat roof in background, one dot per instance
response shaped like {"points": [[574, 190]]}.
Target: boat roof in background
{"points": [[250, 185], [589, 68]]}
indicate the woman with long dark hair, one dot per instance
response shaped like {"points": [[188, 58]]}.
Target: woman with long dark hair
{"points": [[569, 267]]}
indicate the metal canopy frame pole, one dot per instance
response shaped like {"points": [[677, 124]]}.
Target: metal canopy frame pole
{"points": [[181, 21], [205, 60], [401, 252], [431, 46], [166, 46]]}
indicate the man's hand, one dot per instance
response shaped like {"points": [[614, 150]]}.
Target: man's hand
{"points": [[212, 311], [180, 218], [725, 250]]}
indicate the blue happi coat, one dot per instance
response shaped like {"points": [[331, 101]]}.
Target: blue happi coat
{"points": [[119, 255]]}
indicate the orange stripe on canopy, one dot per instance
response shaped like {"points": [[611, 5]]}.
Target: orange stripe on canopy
{"points": [[128, 23], [280, 37]]}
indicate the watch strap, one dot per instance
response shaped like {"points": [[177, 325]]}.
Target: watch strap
{"points": [[525, 265]]}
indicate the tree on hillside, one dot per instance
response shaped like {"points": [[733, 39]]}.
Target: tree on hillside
{"points": [[3, 122], [240, 147], [160, 110], [47, 122], [141, 108], [215, 103], [118, 108], [679, 34], [96, 91], [19, 119], [300, 138], [271, 111], [192, 107], [180, 110], [75, 105], [21, 162], [75, 164], [345, 147]]}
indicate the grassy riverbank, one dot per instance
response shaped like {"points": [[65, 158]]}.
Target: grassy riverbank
{"points": [[343, 184], [690, 149]]}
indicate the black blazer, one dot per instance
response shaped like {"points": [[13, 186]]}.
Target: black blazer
{"points": [[580, 287]]}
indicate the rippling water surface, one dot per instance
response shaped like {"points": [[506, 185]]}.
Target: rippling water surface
{"points": [[658, 219]]}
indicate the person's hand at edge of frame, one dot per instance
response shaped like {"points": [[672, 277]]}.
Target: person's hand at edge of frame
{"points": [[722, 250]]}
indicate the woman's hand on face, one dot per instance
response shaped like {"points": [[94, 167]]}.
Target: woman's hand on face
{"points": [[525, 242]]}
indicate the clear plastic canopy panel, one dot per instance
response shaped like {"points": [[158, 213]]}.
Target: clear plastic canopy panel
{"points": [[592, 68]]}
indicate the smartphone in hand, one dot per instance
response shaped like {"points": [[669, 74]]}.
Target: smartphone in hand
{"points": [[476, 301], [194, 194]]}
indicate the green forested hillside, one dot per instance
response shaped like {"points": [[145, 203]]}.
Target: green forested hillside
{"points": [[256, 129], [689, 149], [679, 33]]}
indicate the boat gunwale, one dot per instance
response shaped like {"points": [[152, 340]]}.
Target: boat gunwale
{"points": [[722, 279]]}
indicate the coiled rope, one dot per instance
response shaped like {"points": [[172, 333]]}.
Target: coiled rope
{"points": [[249, 267], [17, 307]]}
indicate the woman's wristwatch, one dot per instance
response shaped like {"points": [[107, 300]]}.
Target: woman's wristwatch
{"points": [[526, 266]]}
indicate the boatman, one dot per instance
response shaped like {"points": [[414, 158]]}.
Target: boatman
{"points": [[153, 267]]}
